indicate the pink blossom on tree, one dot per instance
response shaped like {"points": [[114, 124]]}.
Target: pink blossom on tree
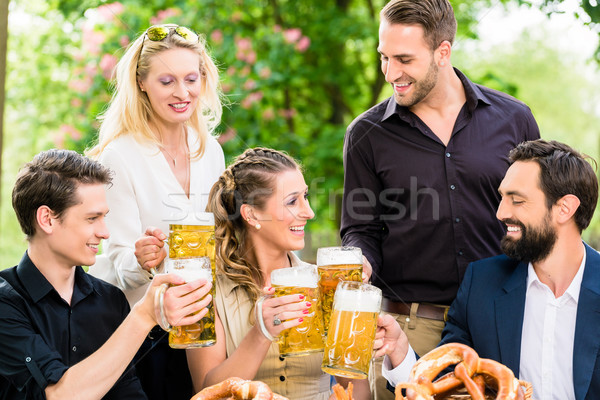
{"points": [[109, 12], [71, 131], [217, 36], [124, 41], [164, 14], [268, 114], [303, 44], [229, 134], [249, 84], [107, 65], [292, 35], [265, 72], [92, 40]]}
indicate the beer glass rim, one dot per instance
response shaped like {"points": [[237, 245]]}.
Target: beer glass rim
{"points": [[338, 255], [342, 248], [309, 267]]}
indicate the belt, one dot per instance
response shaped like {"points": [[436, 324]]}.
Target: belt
{"points": [[429, 311]]}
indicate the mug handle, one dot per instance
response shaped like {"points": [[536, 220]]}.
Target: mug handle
{"points": [[261, 322], [159, 307]]}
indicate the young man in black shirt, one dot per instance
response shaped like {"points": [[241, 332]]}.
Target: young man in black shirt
{"points": [[64, 333]]}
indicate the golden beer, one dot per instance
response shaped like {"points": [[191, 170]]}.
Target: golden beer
{"points": [[349, 344], [336, 264], [201, 333], [306, 338], [187, 241]]}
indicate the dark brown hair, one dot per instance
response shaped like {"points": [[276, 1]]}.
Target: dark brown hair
{"points": [[52, 179], [435, 16], [562, 171]]}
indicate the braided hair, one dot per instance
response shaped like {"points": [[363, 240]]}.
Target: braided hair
{"points": [[250, 179]]}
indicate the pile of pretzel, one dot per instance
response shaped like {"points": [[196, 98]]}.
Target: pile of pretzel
{"points": [[238, 389], [471, 373]]}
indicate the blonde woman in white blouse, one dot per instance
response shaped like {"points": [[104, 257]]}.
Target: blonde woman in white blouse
{"points": [[156, 136]]}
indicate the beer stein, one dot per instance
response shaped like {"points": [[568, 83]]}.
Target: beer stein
{"points": [[307, 337], [349, 345], [201, 333], [336, 264]]}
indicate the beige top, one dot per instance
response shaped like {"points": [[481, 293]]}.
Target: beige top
{"points": [[296, 378]]}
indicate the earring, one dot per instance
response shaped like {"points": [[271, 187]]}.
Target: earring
{"points": [[442, 63], [257, 226]]}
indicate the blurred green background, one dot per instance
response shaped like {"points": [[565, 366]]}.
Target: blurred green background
{"points": [[295, 74]]}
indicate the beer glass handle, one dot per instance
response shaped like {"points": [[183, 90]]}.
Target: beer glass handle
{"points": [[159, 307], [258, 315]]}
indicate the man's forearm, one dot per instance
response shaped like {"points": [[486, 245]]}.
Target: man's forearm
{"points": [[93, 377]]}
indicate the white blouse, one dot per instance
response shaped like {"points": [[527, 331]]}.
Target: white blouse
{"points": [[145, 192]]}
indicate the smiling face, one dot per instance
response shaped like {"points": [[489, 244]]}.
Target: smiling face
{"points": [[531, 234], [76, 235], [407, 62], [285, 213], [173, 85]]}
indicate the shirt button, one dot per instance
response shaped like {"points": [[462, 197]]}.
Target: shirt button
{"points": [[448, 155], [27, 359], [74, 348], [460, 253], [282, 378], [452, 187], [457, 219]]}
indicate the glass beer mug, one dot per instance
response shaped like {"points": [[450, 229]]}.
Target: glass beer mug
{"points": [[349, 344], [307, 337], [201, 333], [192, 256], [336, 264]]}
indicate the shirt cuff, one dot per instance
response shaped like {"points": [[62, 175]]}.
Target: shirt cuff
{"points": [[402, 371]]}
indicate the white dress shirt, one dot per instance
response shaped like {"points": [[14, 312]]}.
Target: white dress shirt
{"points": [[547, 341], [547, 338]]}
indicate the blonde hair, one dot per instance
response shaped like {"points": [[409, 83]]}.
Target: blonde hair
{"points": [[129, 110], [250, 179]]}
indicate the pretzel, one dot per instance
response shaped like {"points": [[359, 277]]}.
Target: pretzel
{"points": [[238, 389], [471, 373]]}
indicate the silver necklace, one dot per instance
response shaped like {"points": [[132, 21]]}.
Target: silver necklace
{"points": [[170, 155]]}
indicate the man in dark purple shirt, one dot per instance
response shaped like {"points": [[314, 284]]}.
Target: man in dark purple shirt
{"points": [[422, 170]]}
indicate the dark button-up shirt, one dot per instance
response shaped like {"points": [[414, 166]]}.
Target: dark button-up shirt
{"points": [[41, 335], [421, 210]]}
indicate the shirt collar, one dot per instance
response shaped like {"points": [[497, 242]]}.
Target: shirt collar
{"points": [[38, 287], [574, 287], [472, 92]]}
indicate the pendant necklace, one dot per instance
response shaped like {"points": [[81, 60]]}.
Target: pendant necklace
{"points": [[169, 154]]}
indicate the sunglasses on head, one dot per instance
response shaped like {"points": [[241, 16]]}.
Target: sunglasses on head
{"points": [[156, 33]]}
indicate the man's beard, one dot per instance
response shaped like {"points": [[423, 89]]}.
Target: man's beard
{"points": [[535, 243], [421, 88]]}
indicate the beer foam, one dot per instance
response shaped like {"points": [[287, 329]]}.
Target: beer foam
{"points": [[339, 256], [190, 269], [301, 276], [357, 300]]}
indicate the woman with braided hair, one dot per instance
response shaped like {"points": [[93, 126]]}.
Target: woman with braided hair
{"points": [[261, 207]]}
